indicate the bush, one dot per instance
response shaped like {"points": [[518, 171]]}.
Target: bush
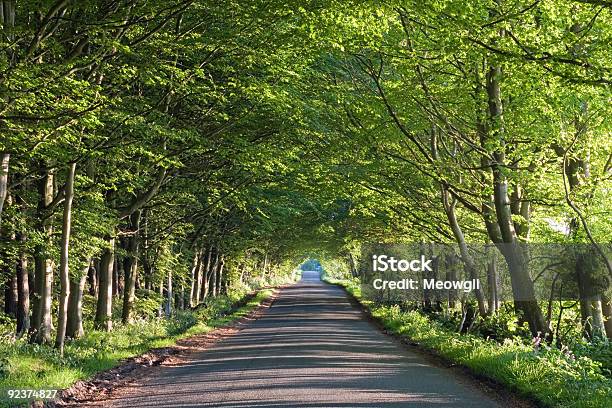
{"points": [[599, 350], [147, 303], [502, 325], [7, 324]]}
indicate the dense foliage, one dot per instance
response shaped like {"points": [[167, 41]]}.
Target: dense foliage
{"points": [[157, 155]]}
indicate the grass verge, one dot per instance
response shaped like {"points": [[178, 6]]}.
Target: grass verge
{"points": [[546, 375], [31, 366]]}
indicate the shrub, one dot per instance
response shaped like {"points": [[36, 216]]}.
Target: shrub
{"points": [[599, 350]]}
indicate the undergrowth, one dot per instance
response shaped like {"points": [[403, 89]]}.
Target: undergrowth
{"points": [[32, 366], [553, 377]]}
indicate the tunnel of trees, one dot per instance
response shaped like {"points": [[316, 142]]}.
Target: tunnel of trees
{"points": [[157, 154]]}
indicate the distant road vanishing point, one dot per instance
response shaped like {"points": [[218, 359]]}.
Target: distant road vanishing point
{"points": [[312, 348]]}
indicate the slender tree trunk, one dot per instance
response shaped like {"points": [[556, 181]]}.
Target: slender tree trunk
{"points": [[64, 267], [4, 171], [197, 278], [23, 289], [468, 261], [426, 275], [181, 302], [493, 284], [451, 275], [160, 310], [599, 329], [213, 275], [43, 272], [104, 306], [121, 275], [117, 270], [131, 270], [74, 325], [147, 269], [606, 308], [7, 11], [170, 295], [449, 209], [436, 304], [206, 274], [92, 277], [192, 278], [221, 287], [353, 265]]}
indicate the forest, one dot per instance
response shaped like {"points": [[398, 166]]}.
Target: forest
{"points": [[162, 161]]}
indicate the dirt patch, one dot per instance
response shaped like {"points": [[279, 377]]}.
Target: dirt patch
{"points": [[105, 383]]}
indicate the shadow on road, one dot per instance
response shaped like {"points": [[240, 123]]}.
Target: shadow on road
{"points": [[312, 348]]}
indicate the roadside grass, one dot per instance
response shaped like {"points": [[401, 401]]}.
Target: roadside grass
{"points": [[547, 375], [31, 366]]}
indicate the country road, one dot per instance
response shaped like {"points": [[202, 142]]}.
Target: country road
{"points": [[312, 348]]}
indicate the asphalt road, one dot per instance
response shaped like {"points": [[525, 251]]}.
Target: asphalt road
{"points": [[312, 348]]}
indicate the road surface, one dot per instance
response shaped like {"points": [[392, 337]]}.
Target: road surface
{"points": [[312, 348]]}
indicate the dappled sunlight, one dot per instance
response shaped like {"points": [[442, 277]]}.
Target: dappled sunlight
{"points": [[310, 349]]}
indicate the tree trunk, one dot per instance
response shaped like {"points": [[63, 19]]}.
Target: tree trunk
{"points": [[221, 287], [92, 277], [117, 270], [451, 275], [160, 310], [181, 298], [43, 269], [353, 265], [214, 286], [104, 306], [513, 252], [147, 270], [146, 267], [4, 170], [23, 289], [606, 308], [206, 274], [426, 292], [74, 325], [197, 278], [599, 330], [192, 279], [169, 295], [493, 284], [131, 270], [468, 262], [584, 292], [591, 307], [435, 269], [523, 290], [64, 269]]}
